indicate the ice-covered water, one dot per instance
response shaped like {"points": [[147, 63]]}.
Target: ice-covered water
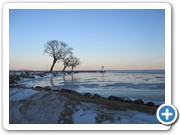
{"points": [[147, 85]]}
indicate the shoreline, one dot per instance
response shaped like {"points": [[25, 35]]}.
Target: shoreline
{"points": [[91, 71], [43, 106], [46, 104], [113, 102]]}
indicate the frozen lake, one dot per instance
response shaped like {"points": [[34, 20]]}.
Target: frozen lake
{"points": [[147, 85]]}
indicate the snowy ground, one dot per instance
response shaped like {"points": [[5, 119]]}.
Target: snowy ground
{"points": [[30, 106], [91, 114]]}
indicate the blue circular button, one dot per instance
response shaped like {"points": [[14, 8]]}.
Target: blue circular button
{"points": [[167, 114]]}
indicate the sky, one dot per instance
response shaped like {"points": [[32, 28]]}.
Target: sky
{"points": [[118, 39]]}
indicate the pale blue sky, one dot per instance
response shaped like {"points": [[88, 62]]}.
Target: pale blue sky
{"points": [[117, 39]]}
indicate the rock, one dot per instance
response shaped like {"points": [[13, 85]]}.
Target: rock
{"points": [[128, 101], [66, 90], [96, 96], [75, 92], [150, 104], [103, 98], [122, 99], [32, 77], [87, 94], [139, 101], [47, 88], [70, 91], [114, 98], [39, 87]]}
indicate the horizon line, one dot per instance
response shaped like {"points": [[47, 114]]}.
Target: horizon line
{"points": [[88, 70]]}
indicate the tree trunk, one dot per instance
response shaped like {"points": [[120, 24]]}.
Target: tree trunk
{"points": [[54, 62], [72, 69], [64, 68]]}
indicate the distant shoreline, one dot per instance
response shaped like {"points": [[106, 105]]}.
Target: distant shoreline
{"points": [[83, 71]]}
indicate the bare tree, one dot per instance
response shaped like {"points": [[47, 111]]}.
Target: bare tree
{"points": [[55, 49], [74, 62], [66, 57], [66, 62]]}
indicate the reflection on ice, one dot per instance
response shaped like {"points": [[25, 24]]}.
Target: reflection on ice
{"points": [[145, 85]]}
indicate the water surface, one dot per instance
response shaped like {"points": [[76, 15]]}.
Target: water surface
{"points": [[147, 85]]}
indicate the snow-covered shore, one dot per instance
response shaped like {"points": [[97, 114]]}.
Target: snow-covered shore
{"points": [[28, 106], [31, 104]]}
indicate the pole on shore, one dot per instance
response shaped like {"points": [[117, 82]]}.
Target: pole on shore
{"points": [[102, 68]]}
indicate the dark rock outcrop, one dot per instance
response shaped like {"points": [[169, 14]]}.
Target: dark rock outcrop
{"points": [[47, 88], [114, 98], [88, 94], [139, 102], [128, 101], [70, 91], [96, 96], [38, 87], [151, 104]]}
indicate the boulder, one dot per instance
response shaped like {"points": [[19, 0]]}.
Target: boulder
{"points": [[113, 98], [32, 77], [75, 92], [96, 96], [88, 94], [139, 101], [128, 101], [70, 91], [66, 90], [123, 99], [151, 104], [47, 88], [39, 87]]}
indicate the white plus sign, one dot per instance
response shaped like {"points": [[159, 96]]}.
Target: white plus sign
{"points": [[167, 114]]}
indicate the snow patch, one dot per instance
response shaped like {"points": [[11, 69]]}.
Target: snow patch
{"points": [[88, 113], [84, 117], [19, 94]]}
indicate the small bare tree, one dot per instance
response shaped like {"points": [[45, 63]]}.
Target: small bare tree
{"points": [[66, 57], [74, 62], [55, 49], [66, 62]]}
